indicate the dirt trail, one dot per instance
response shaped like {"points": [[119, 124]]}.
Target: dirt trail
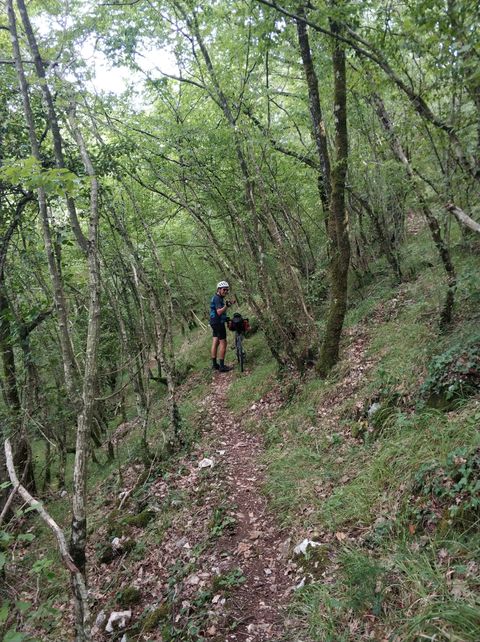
{"points": [[257, 545], [220, 569]]}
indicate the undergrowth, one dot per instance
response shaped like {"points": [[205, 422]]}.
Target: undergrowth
{"points": [[389, 484], [397, 501], [32, 561]]}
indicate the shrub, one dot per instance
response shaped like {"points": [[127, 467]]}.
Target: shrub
{"points": [[450, 492], [453, 375]]}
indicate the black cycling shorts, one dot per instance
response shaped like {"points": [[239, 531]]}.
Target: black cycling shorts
{"points": [[219, 330]]}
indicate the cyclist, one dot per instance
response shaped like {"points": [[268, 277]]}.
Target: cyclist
{"points": [[218, 317]]}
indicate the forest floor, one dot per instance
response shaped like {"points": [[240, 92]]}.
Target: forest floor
{"points": [[192, 547], [199, 545], [217, 564]]}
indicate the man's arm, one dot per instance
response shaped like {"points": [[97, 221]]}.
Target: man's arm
{"points": [[223, 309]]}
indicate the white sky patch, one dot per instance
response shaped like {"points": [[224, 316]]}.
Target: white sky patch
{"points": [[105, 76]]}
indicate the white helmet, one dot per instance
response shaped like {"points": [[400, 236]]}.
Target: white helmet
{"points": [[222, 284]]}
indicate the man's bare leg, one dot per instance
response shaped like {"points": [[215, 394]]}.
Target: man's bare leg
{"points": [[214, 347], [223, 349]]}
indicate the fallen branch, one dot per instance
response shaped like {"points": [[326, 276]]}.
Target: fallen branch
{"points": [[8, 503], [199, 321], [78, 581], [463, 218]]}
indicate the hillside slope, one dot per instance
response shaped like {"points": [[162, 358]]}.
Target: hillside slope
{"points": [[377, 467]]}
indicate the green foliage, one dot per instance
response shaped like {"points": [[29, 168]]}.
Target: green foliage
{"points": [[129, 596], [153, 617], [190, 620], [227, 581], [119, 524], [453, 375], [258, 378], [174, 213], [29, 172], [16, 614], [448, 493], [363, 581], [221, 521]]}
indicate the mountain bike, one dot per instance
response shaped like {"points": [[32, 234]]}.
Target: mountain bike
{"points": [[239, 326], [241, 354]]}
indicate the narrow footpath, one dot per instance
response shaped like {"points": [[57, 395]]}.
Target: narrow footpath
{"points": [[212, 563], [256, 544]]}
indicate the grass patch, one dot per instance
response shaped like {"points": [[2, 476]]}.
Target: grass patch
{"points": [[247, 390], [398, 579], [371, 296], [387, 468]]}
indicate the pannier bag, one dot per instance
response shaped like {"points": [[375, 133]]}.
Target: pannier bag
{"points": [[238, 324]]}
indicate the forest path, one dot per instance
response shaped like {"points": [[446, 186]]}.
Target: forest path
{"points": [[213, 563], [256, 544]]}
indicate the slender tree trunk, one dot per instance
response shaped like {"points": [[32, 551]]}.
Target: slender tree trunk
{"points": [[69, 563], [367, 51], [287, 339], [17, 430], [435, 231], [52, 119], [59, 297], [162, 329], [318, 125], [47, 478], [85, 420], [463, 218], [338, 223], [386, 247], [162, 311], [332, 188], [62, 459], [85, 405]]}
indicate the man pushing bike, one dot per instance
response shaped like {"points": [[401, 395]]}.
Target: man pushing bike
{"points": [[218, 318]]}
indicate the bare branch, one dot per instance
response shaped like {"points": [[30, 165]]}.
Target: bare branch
{"points": [[4, 61], [8, 503], [365, 49], [36, 505], [463, 218]]}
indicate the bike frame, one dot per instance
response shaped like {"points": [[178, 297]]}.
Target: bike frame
{"points": [[239, 349]]}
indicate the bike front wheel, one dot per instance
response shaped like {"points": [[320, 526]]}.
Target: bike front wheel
{"points": [[240, 352]]}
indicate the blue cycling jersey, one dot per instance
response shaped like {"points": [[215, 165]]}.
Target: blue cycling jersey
{"points": [[216, 303]]}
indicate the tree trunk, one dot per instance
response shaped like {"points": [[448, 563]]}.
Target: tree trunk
{"points": [[162, 330], [59, 297], [273, 299], [435, 231], [85, 420], [338, 222], [21, 445], [81, 602], [52, 119], [386, 246], [463, 218], [318, 125]]}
